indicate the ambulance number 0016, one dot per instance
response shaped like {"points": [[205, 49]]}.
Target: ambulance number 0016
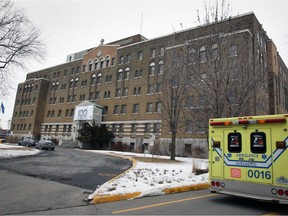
{"points": [[259, 174]]}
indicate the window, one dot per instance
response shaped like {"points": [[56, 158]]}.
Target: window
{"points": [[156, 128], [147, 128], [125, 92], [149, 108], [105, 110], [150, 89], [128, 58], [234, 142], [120, 74], [153, 53], [138, 73], [159, 87], [99, 78], [108, 78], [97, 93], [121, 60], [76, 82], [158, 107], [107, 94], [107, 60], [162, 50], [118, 92], [161, 67], [90, 65], [114, 128], [135, 108], [133, 128], [232, 50], [71, 112], [140, 55], [113, 61], [59, 113], [137, 91], [116, 109], [121, 128], [203, 54], [83, 68], [152, 69], [102, 63], [96, 65], [258, 142], [126, 73], [123, 109]]}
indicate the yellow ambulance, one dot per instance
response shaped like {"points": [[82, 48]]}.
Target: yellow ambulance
{"points": [[248, 157]]}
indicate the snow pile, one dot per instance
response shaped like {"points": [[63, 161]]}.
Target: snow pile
{"points": [[9, 151], [151, 178]]}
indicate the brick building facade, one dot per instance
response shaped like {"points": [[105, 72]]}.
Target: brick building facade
{"points": [[125, 78]]}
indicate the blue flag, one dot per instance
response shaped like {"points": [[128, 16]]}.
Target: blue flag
{"points": [[2, 107]]}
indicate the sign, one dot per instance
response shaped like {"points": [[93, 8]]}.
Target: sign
{"points": [[84, 113]]}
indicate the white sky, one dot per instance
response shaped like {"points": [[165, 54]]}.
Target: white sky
{"points": [[70, 26]]}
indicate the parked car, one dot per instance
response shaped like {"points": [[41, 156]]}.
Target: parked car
{"points": [[45, 144], [27, 142]]}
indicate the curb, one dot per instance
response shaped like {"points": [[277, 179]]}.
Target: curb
{"points": [[118, 197]]}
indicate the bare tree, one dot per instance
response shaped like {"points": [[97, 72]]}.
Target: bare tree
{"points": [[19, 42], [209, 73], [224, 76], [173, 97]]}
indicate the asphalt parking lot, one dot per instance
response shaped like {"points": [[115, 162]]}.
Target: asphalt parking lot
{"points": [[68, 166]]}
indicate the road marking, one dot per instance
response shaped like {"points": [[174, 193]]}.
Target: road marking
{"points": [[161, 204]]}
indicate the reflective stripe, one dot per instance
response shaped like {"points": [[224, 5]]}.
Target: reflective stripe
{"points": [[266, 164]]}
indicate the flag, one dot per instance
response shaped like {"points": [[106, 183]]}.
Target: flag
{"points": [[2, 107]]}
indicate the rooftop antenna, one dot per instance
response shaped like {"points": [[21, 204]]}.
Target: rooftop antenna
{"points": [[173, 29], [141, 23]]}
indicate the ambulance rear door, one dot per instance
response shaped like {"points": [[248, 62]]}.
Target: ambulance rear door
{"points": [[247, 155], [216, 156]]}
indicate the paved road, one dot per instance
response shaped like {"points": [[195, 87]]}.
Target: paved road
{"points": [[68, 166], [53, 180]]}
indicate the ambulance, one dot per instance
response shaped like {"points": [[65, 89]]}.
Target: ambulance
{"points": [[248, 157]]}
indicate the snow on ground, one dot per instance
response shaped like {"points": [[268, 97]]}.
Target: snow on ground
{"points": [[151, 178], [9, 151]]}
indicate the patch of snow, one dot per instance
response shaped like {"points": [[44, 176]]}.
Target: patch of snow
{"points": [[150, 179], [9, 151]]}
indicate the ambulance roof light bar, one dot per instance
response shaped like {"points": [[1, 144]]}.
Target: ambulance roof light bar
{"points": [[247, 121]]}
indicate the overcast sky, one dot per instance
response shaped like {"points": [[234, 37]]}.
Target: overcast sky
{"points": [[70, 26]]}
